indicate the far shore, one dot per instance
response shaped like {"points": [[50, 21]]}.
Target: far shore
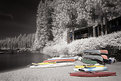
{"points": [[57, 74]]}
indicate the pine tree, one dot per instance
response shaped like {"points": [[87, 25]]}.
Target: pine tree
{"points": [[103, 11], [72, 24], [56, 18], [44, 25]]}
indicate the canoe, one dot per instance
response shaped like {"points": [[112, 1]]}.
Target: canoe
{"points": [[96, 51], [95, 69], [60, 60], [87, 66], [94, 57], [63, 58], [41, 66], [104, 51], [43, 63], [93, 74], [89, 61], [52, 65], [91, 69]]}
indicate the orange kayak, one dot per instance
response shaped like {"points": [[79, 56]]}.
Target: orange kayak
{"points": [[60, 60]]}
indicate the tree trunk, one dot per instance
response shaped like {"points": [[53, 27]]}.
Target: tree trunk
{"points": [[98, 30], [89, 34], [68, 35], [106, 26], [102, 33], [93, 31], [106, 32], [72, 34]]}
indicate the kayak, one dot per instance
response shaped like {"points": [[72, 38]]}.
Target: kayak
{"points": [[96, 51], [63, 58], [87, 66], [93, 74], [43, 63], [88, 61], [93, 57], [95, 69], [60, 60], [91, 69], [52, 65]]}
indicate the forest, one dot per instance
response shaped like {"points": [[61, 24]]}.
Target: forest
{"points": [[19, 42], [57, 18]]}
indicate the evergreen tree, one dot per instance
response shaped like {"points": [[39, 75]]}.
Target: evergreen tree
{"points": [[72, 24], [55, 17], [22, 41], [104, 10], [44, 25]]}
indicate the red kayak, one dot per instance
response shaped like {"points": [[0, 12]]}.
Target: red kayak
{"points": [[60, 60], [93, 74]]}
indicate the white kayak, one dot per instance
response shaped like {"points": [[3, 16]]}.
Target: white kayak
{"points": [[63, 58], [91, 69], [52, 65]]}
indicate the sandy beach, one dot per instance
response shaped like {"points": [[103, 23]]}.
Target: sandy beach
{"points": [[57, 74]]}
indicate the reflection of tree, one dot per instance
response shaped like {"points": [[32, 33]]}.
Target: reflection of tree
{"points": [[7, 17]]}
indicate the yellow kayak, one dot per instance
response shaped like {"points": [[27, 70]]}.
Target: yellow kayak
{"points": [[43, 63], [87, 66]]}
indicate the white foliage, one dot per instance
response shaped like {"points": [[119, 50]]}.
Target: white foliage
{"points": [[61, 18], [77, 46]]}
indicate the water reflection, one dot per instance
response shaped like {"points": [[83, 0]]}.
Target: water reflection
{"points": [[14, 61]]}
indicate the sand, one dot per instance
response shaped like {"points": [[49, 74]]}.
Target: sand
{"points": [[57, 74]]}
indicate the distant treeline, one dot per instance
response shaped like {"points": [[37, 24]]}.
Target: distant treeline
{"points": [[22, 41]]}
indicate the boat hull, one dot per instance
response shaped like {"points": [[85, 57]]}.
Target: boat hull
{"points": [[60, 60], [93, 57], [52, 65], [91, 69], [63, 58], [93, 74], [87, 66], [96, 51], [43, 63], [89, 61]]}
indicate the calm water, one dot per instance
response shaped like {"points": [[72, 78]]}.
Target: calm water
{"points": [[15, 61]]}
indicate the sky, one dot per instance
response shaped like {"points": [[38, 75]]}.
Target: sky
{"points": [[17, 17]]}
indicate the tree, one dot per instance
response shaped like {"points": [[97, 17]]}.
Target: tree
{"points": [[55, 17], [72, 24], [105, 10], [82, 23], [60, 20], [44, 25]]}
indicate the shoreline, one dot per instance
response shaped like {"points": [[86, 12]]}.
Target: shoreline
{"points": [[57, 74]]}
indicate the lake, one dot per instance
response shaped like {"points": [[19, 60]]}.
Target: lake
{"points": [[15, 61]]}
